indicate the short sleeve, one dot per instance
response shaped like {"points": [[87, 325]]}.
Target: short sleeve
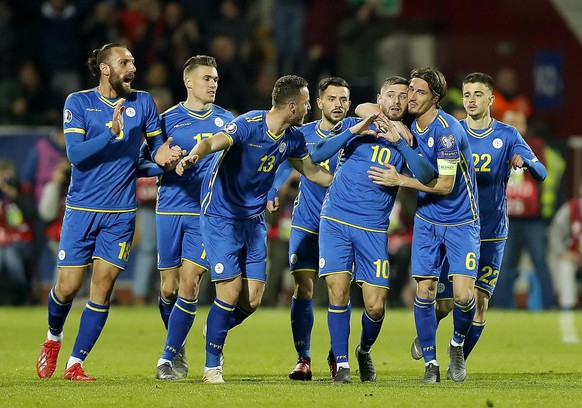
{"points": [[73, 115], [238, 130]]}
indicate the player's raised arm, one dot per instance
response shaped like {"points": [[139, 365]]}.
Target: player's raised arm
{"points": [[388, 176], [312, 171], [217, 142], [329, 146]]}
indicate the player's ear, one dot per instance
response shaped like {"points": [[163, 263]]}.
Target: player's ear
{"points": [[104, 68], [319, 104], [188, 82], [491, 99], [292, 107]]}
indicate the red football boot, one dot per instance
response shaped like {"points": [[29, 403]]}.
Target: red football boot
{"points": [[332, 364], [47, 361], [302, 371], [76, 373]]}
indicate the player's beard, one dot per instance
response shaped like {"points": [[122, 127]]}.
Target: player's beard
{"points": [[331, 119], [119, 85]]}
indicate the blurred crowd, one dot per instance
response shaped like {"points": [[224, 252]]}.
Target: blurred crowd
{"points": [[44, 46]]}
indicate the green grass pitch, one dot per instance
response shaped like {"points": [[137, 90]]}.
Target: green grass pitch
{"points": [[520, 362]]}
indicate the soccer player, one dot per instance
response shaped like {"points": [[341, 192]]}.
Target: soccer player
{"points": [[334, 102], [353, 236], [234, 195], [497, 148], [446, 220], [103, 127], [181, 255]]}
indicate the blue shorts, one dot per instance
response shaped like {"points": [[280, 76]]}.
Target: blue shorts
{"points": [[235, 247], [303, 250], [491, 255], [179, 238], [430, 244], [87, 235], [343, 248]]}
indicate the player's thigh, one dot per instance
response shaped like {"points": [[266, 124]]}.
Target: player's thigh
{"points": [[336, 254], [114, 238], [169, 240], [427, 250], [303, 251], [490, 259], [78, 236], [223, 244], [253, 259], [193, 250], [462, 243], [372, 265]]}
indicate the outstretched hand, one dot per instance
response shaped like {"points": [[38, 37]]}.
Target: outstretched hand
{"points": [[516, 162], [168, 156], [186, 163], [117, 122], [388, 176], [361, 128], [273, 205]]}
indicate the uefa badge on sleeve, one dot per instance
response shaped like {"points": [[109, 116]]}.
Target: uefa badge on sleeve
{"points": [[67, 116], [230, 128]]}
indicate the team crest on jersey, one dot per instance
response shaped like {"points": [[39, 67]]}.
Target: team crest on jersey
{"points": [[498, 143], [68, 116], [282, 147], [293, 259], [448, 141], [321, 263], [219, 268], [430, 142], [230, 128], [219, 122], [440, 287], [130, 112], [62, 254]]}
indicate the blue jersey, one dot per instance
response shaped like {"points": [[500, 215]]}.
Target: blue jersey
{"points": [[181, 194], [353, 199], [107, 182], [492, 149], [446, 140], [310, 197], [239, 178]]}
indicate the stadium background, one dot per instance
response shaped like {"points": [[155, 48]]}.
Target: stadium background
{"points": [[44, 44]]}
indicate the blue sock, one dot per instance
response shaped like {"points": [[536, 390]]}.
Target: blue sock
{"points": [[166, 307], [238, 316], [472, 337], [338, 322], [57, 313], [217, 325], [302, 325], [179, 324], [426, 326], [370, 331], [92, 322], [462, 319]]}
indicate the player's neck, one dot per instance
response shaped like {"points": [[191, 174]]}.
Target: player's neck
{"points": [[482, 122], [196, 104], [276, 121], [427, 117], [326, 125], [106, 90]]}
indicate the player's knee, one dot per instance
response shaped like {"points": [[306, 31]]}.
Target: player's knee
{"points": [[66, 290], [169, 292], [339, 294], [303, 291], [375, 310], [426, 290], [463, 298]]}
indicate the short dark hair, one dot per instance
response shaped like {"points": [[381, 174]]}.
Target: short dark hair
{"points": [[100, 55], [287, 88], [481, 78], [435, 79], [197, 60], [332, 81], [395, 80]]}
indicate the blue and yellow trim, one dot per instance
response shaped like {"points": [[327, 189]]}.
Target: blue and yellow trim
{"points": [[70, 207], [385, 231], [74, 130], [305, 229]]}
